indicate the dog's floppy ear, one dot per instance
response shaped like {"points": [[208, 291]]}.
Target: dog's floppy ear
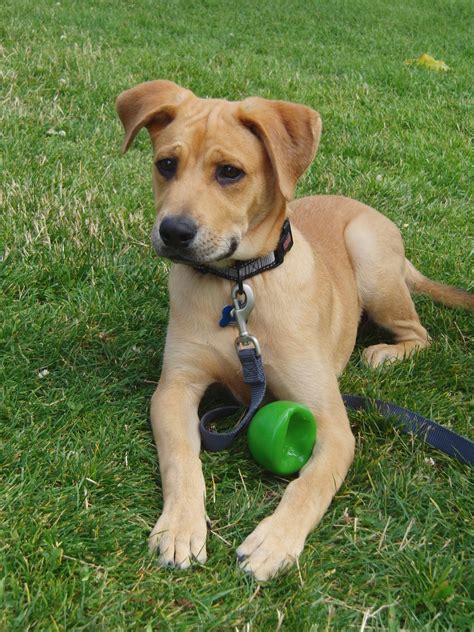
{"points": [[290, 133], [146, 104]]}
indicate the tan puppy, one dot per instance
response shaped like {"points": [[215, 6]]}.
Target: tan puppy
{"points": [[223, 175]]}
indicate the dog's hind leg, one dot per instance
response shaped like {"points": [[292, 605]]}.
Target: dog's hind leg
{"points": [[376, 250]]}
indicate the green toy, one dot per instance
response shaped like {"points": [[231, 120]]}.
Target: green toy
{"points": [[281, 436]]}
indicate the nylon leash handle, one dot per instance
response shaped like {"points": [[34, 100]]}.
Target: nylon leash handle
{"points": [[254, 376]]}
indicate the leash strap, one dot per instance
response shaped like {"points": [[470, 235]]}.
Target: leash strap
{"points": [[250, 358], [254, 376], [436, 436]]}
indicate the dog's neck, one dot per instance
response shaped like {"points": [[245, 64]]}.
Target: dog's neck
{"points": [[264, 235]]}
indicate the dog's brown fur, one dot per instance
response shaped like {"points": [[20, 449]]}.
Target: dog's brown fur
{"points": [[346, 258]]}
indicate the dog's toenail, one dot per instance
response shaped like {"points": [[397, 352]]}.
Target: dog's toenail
{"points": [[241, 557]]}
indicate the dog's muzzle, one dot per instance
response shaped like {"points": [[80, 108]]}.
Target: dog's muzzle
{"points": [[179, 238]]}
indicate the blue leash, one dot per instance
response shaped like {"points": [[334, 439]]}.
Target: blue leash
{"points": [[432, 433], [254, 376]]}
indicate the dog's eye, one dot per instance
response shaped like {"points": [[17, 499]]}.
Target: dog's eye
{"points": [[226, 174], [167, 167]]}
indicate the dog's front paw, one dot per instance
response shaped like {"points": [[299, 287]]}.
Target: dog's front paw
{"points": [[272, 547], [180, 537]]}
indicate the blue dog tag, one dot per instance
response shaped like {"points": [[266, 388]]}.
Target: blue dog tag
{"points": [[227, 317]]}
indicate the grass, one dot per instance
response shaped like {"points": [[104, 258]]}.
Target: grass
{"points": [[84, 308]]}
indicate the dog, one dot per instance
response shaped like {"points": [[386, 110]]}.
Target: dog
{"points": [[224, 174]]}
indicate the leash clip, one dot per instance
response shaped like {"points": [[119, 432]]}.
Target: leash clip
{"points": [[241, 312]]}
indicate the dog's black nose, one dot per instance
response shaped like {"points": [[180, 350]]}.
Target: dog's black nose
{"points": [[177, 231]]}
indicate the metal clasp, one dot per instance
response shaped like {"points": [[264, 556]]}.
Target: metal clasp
{"points": [[241, 312]]}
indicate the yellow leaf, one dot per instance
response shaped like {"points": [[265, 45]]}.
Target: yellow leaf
{"points": [[428, 62]]}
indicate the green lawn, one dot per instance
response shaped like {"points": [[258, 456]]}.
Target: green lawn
{"points": [[84, 308]]}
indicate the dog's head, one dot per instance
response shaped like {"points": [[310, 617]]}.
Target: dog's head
{"points": [[223, 171]]}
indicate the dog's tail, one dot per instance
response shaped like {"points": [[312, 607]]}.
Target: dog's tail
{"points": [[446, 294]]}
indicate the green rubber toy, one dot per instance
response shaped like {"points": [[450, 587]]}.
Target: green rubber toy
{"points": [[281, 436]]}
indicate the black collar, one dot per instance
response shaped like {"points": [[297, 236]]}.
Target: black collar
{"points": [[245, 269]]}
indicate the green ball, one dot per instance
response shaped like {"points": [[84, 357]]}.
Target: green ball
{"points": [[281, 436]]}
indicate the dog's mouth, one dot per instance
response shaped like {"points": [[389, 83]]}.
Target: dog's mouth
{"points": [[196, 256]]}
